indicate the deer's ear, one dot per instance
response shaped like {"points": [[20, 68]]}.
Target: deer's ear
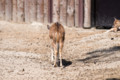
{"points": [[48, 27]]}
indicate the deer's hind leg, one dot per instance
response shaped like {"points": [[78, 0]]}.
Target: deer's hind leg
{"points": [[55, 55], [52, 51], [52, 54], [60, 53]]}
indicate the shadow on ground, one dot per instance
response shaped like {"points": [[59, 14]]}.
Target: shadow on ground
{"points": [[115, 48], [112, 79], [98, 55], [66, 63]]}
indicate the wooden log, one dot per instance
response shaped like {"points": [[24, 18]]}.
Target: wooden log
{"points": [[8, 10], [40, 11], [46, 11], [27, 10], [50, 11], [56, 10], [63, 12], [14, 10], [2, 9], [87, 13], [20, 10], [70, 12], [77, 13], [80, 21], [33, 10]]}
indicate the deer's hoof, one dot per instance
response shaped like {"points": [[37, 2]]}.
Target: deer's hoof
{"points": [[55, 65]]}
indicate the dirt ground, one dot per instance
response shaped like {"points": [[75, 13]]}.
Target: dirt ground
{"points": [[88, 54]]}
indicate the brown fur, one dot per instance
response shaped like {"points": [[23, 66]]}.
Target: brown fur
{"points": [[116, 26], [57, 35]]}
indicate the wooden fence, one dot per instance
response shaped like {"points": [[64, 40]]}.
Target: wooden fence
{"points": [[68, 12]]}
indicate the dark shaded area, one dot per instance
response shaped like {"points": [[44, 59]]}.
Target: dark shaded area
{"points": [[65, 63], [112, 79], [115, 48], [93, 11], [105, 11], [103, 27], [97, 55]]}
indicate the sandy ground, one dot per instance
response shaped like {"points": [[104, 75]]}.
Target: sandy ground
{"points": [[88, 54]]}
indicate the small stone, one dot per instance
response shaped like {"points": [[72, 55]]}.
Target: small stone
{"points": [[23, 69], [112, 38]]}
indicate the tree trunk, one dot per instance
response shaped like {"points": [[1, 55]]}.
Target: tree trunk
{"points": [[56, 10], [70, 11], [63, 12], [27, 11], [2, 9], [77, 13], [14, 10], [8, 10], [81, 13], [46, 11], [40, 11], [87, 13], [33, 10], [20, 10]]}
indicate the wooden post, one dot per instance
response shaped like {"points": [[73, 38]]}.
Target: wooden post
{"points": [[40, 11], [87, 13], [2, 9], [56, 10], [77, 13], [63, 12], [50, 11], [33, 10], [70, 11], [80, 21], [8, 10], [46, 11], [14, 10], [27, 10], [20, 10]]}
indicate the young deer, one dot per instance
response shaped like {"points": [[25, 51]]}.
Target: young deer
{"points": [[116, 26], [57, 35]]}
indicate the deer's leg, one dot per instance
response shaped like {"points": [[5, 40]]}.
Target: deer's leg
{"points": [[55, 62], [115, 29], [52, 52], [55, 53], [60, 53], [57, 45], [52, 55]]}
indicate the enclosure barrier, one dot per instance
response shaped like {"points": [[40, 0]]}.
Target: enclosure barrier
{"points": [[68, 12]]}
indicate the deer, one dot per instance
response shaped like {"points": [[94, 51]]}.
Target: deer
{"points": [[57, 36], [116, 26]]}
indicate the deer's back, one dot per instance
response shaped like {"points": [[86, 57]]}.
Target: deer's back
{"points": [[57, 32]]}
